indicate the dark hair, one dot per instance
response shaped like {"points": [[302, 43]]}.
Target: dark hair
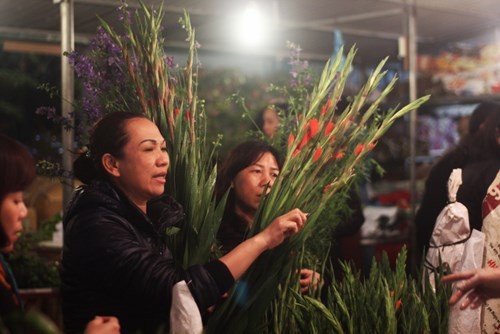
{"points": [[482, 111], [481, 141], [239, 158], [17, 171], [107, 136]]}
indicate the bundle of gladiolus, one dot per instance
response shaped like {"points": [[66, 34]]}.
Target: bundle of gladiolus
{"points": [[326, 148]]}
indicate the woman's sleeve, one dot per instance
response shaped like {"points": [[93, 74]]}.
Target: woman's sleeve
{"points": [[111, 256]]}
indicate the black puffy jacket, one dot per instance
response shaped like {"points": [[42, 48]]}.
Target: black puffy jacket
{"points": [[115, 262]]}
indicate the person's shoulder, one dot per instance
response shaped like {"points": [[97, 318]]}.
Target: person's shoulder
{"points": [[92, 203]]}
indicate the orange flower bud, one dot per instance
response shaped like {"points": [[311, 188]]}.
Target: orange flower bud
{"points": [[291, 139]]}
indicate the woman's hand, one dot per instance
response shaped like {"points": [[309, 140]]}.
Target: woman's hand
{"points": [[283, 227], [240, 258], [309, 279], [477, 286], [103, 325]]}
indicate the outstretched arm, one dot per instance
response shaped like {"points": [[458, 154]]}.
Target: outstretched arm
{"points": [[241, 257], [477, 286]]}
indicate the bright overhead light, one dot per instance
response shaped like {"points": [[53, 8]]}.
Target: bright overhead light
{"points": [[251, 26]]}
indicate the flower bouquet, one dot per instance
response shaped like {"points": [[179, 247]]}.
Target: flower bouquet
{"points": [[325, 150]]}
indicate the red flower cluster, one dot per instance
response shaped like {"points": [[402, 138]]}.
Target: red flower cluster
{"points": [[312, 131], [360, 148]]}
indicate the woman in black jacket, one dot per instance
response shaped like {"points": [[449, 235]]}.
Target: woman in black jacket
{"points": [[115, 261]]}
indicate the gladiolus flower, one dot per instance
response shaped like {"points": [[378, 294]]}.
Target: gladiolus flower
{"points": [[338, 155], [317, 154], [360, 148], [329, 128], [291, 139], [176, 112], [313, 127], [398, 304], [312, 130]]}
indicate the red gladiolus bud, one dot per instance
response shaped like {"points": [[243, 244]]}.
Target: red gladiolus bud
{"points": [[398, 304], [326, 188], [291, 139], [358, 149], [329, 103], [317, 154], [323, 110], [313, 127], [176, 112], [329, 128], [338, 155], [304, 140], [188, 116]]}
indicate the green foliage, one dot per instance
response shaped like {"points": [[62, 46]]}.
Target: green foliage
{"points": [[388, 301], [30, 270], [32, 322]]}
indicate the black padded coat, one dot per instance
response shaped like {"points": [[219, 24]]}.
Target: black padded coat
{"points": [[115, 262]]}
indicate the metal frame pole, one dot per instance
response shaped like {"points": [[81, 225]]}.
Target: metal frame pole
{"points": [[412, 69], [67, 91]]}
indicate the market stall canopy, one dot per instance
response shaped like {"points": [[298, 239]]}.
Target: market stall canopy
{"points": [[375, 26]]}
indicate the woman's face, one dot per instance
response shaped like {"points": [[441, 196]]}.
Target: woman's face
{"points": [[249, 183], [271, 122], [141, 172], [12, 212]]}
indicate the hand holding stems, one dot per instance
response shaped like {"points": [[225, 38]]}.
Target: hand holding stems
{"points": [[240, 258], [283, 227], [476, 285], [103, 325], [309, 278]]}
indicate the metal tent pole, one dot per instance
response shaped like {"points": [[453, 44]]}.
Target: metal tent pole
{"points": [[67, 92], [412, 68]]}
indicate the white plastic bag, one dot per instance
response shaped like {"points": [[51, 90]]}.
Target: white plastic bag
{"points": [[185, 317], [459, 249]]}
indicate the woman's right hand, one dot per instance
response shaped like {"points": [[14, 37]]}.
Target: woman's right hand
{"points": [[476, 285], [283, 227]]}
